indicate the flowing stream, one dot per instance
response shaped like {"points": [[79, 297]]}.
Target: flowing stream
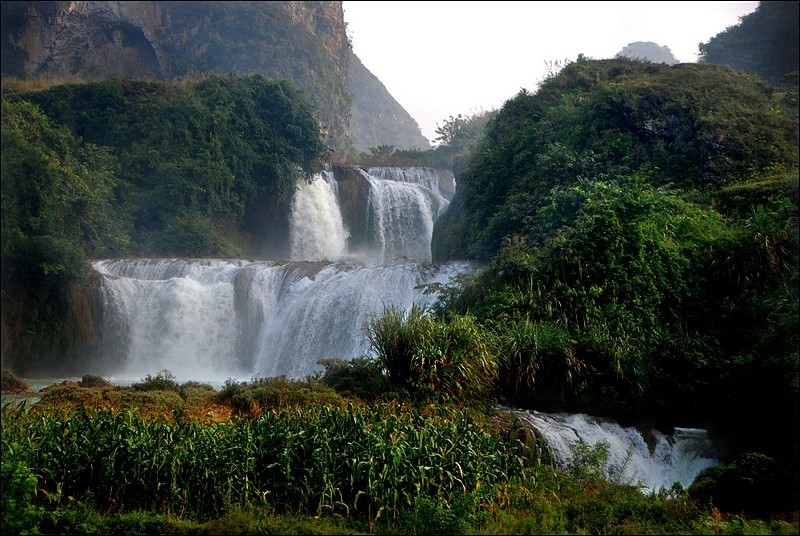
{"points": [[653, 460]]}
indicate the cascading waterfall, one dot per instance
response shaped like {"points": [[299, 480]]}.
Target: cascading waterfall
{"points": [[209, 320], [655, 464], [403, 205], [316, 228]]}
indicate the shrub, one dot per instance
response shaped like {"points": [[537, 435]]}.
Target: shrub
{"points": [[163, 381], [362, 377], [452, 357], [274, 393], [752, 482], [89, 380], [10, 383], [537, 360]]}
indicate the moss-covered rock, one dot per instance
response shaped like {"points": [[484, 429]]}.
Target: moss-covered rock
{"points": [[11, 384], [752, 483]]}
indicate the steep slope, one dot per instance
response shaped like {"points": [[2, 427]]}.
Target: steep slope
{"points": [[377, 118], [300, 41]]}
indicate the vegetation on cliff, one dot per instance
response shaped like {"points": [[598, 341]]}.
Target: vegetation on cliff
{"points": [[122, 167], [639, 225]]}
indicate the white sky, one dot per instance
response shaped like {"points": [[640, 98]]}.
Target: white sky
{"points": [[441, 59]]}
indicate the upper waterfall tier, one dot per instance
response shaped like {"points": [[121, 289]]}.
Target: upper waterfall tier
{"points": [[380, 215]]}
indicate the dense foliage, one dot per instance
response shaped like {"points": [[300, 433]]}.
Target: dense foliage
{"points": [[639, 228], [138, 168], [687, 125]]}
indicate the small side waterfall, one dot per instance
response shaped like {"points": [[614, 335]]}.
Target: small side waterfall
{"points": [[209, 320], [316, 228], [653, 465], [403, 205]]}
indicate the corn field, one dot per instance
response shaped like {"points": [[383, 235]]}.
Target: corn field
{"points": [[353, 461]]}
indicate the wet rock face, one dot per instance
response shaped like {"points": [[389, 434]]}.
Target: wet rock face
{"points": [[353, 197]]}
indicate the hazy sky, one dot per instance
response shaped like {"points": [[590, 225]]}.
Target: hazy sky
{"points": [[441, 59]]}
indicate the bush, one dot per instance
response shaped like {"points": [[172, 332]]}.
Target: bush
{"points": [[453, 357], [89, 380], [274, 393], [10, 383], [163, 381], [752, 482], [361, 377], [537, 360]]}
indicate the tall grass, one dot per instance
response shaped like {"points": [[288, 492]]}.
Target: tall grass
{"points": [[453, 358], [353, 461]]}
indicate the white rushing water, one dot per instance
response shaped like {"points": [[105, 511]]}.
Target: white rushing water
{"points": [[316, 229], [208, 320], [668, 459]]}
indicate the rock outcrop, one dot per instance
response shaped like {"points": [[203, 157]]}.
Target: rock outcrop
{"points": [[305, 42], [377, 120]]}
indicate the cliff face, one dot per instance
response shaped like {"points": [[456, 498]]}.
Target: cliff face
{"points": [[377, 118], [305, 42]]}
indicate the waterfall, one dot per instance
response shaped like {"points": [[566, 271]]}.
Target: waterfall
{"points": [[316, 228], [653, 463], [212, 319], [403, 205]]}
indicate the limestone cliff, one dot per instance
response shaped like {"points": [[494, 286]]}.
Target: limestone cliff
{"points": [[377, 118], [305, 42]]}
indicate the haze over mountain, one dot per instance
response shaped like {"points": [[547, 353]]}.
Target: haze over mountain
{"points": [[378, 119], [648, 51]]}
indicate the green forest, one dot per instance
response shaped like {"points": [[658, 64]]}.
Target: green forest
{"points": [[636, 228]]}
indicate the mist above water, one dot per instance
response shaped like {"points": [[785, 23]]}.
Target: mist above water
{"points": [[208, 320]]}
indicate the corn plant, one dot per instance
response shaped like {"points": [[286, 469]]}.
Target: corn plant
{"points": [[351, 461]]}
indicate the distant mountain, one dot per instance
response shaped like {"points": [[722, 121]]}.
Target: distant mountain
{"points": [[648, 51], [305, 42], [377, 118]]}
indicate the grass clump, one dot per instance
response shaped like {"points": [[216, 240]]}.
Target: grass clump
{"points": [[164, 380], [261, 394]]}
